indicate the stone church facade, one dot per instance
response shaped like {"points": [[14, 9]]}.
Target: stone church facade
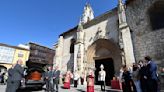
{"points": [[123, 35]]}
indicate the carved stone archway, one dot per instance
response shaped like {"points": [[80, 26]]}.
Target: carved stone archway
{"points": [[102, 49]]}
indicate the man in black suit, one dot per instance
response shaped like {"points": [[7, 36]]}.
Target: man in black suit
{"points": [[16, 74], [49, 79], [151, 74], [142, 74], [56, 76], [9, 79]]}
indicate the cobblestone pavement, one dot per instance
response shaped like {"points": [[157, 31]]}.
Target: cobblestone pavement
{"points": [[72, 89]]}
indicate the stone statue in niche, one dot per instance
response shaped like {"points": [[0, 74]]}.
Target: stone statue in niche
{"points": [[121, 12]]}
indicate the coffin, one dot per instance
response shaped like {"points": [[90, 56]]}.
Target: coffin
{"points": [[35, 75]]}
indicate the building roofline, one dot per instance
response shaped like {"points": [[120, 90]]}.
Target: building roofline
{"points": [[92, 21], [102, 17], [41, 45], [69, 31], [15, 47]]}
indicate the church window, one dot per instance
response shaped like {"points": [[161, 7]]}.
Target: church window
{"points": [[156, 15], [72, 45], [20, 54]]}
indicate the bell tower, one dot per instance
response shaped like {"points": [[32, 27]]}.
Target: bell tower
{"points": [[88, 14], [79, 55]]}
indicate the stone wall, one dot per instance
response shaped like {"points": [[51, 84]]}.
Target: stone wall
{"points": [[103, 27], [68, 58], [146, 40], [106, 29]]}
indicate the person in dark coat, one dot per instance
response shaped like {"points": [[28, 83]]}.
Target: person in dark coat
{"points": [[9, 79], [49, 79], [56, 77], [127, 84], [142, 74], [16, 76], [3, 78], [151, 74]]}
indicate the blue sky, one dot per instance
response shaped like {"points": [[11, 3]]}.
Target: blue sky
{"points": [[42, 21]]}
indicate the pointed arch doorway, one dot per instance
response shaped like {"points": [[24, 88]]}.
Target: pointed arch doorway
{"points": [[104, 52]]}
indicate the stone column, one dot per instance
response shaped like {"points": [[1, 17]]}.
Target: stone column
{"points": [[127, 51], [60, 51], [126, 44], [79, 57], [79, 49], [59, 54]]}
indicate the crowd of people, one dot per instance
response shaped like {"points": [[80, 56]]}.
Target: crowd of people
{"points": [[141, 77], [52, 79], [76, 78], [89, 79], [17, 72]]}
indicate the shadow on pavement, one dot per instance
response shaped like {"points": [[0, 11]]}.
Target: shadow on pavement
{"points": [[29, 90], [80, 90]]}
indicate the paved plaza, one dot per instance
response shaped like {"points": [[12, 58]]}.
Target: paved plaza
{"points": [[79, 89]]}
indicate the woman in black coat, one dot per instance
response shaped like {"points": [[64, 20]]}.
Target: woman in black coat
{"points": [[127, 84]]}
